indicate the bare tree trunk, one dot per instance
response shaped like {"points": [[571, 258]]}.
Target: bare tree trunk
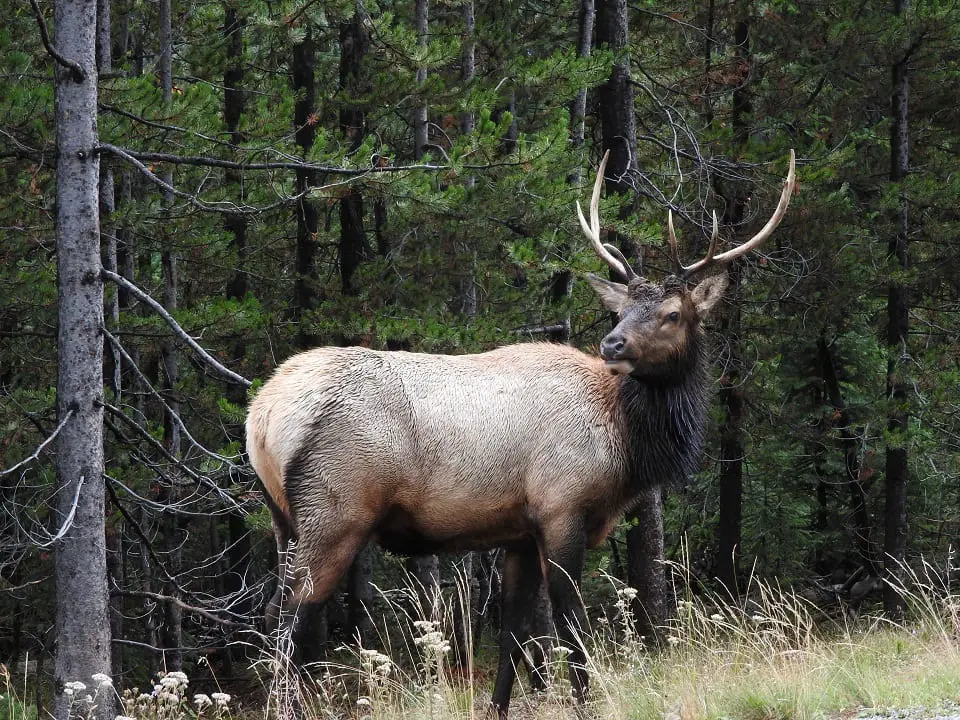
{"points": [[578, 108], [234, 106], [645, 567], [898, 325], [304, 86], [422, 20], [112, 369], [862, 527], [83, 627], [732, 395], [172, 634]]}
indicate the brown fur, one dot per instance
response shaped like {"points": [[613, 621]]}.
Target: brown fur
{"points": [[537, 448]]}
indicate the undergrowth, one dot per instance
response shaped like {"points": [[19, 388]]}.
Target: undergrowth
{"points": [[772, 656]]}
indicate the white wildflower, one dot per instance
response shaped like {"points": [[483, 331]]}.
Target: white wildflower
{"points": [[364, 702], [202, 701], [102, 680], [220, 698], [757, 618], [716, 617], [673, 640], [425, 626], [628, 594], [169, 697], [75, 686]]}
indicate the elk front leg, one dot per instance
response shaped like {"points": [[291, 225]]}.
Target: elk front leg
{"points": [[564, 544], [520, 585]]}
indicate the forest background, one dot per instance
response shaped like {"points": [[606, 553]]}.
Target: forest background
{"points": [[281, 175]]}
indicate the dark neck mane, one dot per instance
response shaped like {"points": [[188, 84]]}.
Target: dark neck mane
{"points": [[667, 421]]}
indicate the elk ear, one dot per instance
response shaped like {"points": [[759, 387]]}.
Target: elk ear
{"points": [[708, 292], [613, 294]]}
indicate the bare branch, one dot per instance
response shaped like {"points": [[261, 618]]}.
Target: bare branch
{"points": [[68, 521], [176, 416], [170, 599], [40, 447], [203, 161], [142, 432], [79, 75], [179, 331]]}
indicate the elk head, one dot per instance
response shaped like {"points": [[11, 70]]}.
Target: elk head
{"points": [[659, 324]]}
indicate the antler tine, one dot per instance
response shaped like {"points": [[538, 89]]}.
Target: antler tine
{"points": [[615, 251], [592, 229], [752, 243]]}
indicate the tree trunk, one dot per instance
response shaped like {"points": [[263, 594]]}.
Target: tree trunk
{"points": [[354, 45], [83, 626], [645, 567], [114, 368], [616, 97], [732, 394], [898, 306], [305, 283], [859, 513], [422, 21], [172, 634]]}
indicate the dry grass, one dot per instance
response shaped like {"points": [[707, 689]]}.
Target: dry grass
{"points": [[770, 658]]}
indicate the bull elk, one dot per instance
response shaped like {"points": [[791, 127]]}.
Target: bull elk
{"points": [[536, 448]]}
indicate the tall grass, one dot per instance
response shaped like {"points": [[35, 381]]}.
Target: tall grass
{"points": [[774, 655], [771, 656]]}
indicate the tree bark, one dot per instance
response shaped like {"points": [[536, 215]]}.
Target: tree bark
{"points": [[422, 22], [305, 284], [732, 394], [83, 627], [113, 370], [616, 97], [354, 45], [645, 566], [859, 513], [898, 306], [172, 631]]}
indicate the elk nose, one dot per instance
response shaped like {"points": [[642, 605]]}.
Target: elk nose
{"points": [[611, 346]]}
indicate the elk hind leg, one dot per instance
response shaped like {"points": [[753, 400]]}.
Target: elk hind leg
{"points": [[312, 573]]}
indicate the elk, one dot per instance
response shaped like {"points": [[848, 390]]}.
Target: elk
{"points": [[536, 448]]}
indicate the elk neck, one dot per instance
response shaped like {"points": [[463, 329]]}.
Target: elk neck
{"points": [[666, 420]]}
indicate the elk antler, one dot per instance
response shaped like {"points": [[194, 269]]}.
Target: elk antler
{"points": [[723, 258], [611, 255]]}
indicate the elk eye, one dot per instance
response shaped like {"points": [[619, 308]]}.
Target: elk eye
{"points": [[673, 317]]}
